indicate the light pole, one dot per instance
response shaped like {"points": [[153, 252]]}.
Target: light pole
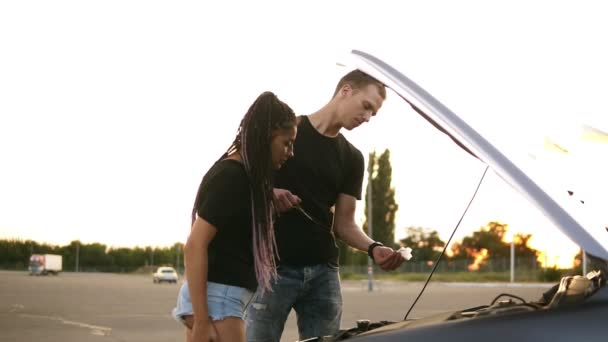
{"points": [[584, 261], [370, 263], [511, 236], [177, 247], [77, 256], [512, 261], [545, 265]]}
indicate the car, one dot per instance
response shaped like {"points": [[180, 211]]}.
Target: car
{"points": [[165, 274], [574, 309]]}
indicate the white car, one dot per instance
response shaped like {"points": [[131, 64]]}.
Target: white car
{"points": [[167, 274]]}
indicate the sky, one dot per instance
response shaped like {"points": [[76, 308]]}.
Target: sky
{"points": [[111, 112]]}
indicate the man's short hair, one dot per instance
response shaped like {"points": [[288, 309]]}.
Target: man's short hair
{"points": [[359, 80]]}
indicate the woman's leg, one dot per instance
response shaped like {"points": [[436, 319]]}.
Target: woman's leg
{"points": [[188, 335], [230, 329], [188, 322]]}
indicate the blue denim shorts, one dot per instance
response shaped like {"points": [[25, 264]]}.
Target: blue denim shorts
{"points": [[222, 301]]}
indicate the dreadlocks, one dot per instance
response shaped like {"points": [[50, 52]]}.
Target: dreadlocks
{"points": [[253, 143]]}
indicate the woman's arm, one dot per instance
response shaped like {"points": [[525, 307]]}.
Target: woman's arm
{"points": [[196, 262]]}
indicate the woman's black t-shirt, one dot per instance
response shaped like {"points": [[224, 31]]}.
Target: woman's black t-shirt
{"points": [[225, 202]]}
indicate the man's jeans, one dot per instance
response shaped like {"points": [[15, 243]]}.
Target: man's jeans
{"points": [[312, 291]]}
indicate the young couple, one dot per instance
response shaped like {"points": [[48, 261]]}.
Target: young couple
{"points": [[249, 244]]}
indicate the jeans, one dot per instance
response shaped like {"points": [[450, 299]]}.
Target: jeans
{"points": [[312, 291]]}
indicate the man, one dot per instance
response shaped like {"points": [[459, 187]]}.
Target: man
{"points": [[316, 188]]}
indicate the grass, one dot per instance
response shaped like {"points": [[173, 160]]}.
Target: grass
{"points": [[455, 276]]}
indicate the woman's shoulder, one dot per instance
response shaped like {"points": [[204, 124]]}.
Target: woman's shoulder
{"points": [[228, 171]]}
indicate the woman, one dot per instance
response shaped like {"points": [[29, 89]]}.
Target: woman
{"points": [[231, 247]]}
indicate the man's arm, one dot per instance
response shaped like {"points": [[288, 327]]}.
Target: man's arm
{"points": [[348, 231], [284, 200]]}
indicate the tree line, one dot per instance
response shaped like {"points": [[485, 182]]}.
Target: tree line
{"points": [[426, 245], [91, 257]]}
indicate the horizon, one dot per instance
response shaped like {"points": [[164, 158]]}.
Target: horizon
{"points": [[541, 259]]}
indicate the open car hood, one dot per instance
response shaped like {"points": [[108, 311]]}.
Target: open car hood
{"points": [[593, 240]]}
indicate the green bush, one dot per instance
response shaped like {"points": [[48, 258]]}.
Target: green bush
{"points": [[550, 275]]}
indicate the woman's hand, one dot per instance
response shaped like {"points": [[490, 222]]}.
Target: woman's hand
{"points": [[203, 331]]}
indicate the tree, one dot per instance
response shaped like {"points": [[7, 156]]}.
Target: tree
{"points": [[384, 206], [488, 243], [522, 250], [93, 257], [488, 237], [426, 244], [350, 256], [593, 263]]}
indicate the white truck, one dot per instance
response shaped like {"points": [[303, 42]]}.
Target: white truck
{"points": [[43, 264]]}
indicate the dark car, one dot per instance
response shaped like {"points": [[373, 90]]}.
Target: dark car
{"points": [[575, 309]]}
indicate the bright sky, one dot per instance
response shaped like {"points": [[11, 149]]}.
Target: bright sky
{"points": [[111, 112]]}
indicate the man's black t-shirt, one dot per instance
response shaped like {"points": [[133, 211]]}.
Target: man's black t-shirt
{"points": [[225, 203], [321, 169]]}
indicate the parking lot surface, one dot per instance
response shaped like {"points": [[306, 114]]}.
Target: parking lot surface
{"points": [[75, 307]]}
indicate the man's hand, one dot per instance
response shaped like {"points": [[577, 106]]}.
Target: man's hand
{"points": [[387, 258], [284, 200]]}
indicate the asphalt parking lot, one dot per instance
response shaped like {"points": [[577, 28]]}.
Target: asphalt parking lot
{"points": [[74, 307]]}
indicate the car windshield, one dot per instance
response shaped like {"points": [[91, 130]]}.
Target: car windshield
{"points": [[167, 271]]}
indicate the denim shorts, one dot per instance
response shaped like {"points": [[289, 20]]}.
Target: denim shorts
{"points": [[222, 301]]}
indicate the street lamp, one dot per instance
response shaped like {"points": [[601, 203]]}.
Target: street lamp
{"points": [[512, 261], [584, 261], [177, 252], [370, 263], [76, 264], [511, 237]]}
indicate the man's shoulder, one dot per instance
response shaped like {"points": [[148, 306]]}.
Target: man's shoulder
{"points": [[349, 148], [302, 120], [307, 134]]}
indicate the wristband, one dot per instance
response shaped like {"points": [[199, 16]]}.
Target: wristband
{"points": [[371, 247]]}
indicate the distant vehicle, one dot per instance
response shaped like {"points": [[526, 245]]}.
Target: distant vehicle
{"points": [[164, 273], [43, 264]]}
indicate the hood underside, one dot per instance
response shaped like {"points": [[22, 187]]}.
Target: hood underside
{"points": [[591, 239]]}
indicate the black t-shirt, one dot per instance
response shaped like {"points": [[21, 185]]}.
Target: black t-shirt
{"points": [[225, 203], [321, 169]]}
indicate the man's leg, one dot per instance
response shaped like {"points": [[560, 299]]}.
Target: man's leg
{"points": [[319, 307], [267, 314]]}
